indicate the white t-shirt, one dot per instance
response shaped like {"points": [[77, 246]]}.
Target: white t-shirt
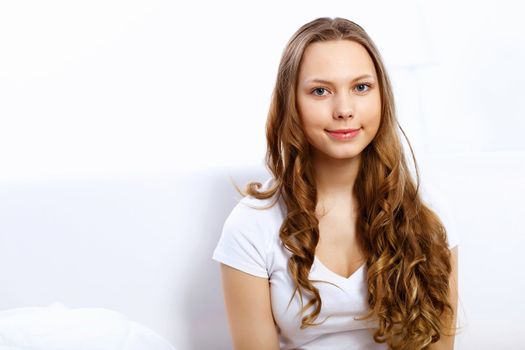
{"points": [[250, 242]]}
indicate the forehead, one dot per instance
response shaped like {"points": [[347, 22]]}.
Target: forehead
{"points": [[335, 58]]}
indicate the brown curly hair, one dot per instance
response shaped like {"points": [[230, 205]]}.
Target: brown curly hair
{"points": [[403, 240]]}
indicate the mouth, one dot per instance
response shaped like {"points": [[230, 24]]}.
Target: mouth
{"points": [[343, 134], [342, 131]]}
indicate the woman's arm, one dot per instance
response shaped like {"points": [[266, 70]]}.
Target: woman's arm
{"points": [[247, 300], [447, 342]]}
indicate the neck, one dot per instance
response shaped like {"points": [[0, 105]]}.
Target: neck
{"points": [[335, 178]]}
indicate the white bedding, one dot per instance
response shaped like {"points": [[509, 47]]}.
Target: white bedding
{"points": [[57, 327]]}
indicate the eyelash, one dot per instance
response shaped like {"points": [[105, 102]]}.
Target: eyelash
{"points": [[318, 88]]}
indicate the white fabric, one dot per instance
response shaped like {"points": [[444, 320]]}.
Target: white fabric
{"points": [[250, 242], [57, 327]]}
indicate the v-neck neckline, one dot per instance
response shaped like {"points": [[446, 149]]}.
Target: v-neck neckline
{"points": [[338, 277]]}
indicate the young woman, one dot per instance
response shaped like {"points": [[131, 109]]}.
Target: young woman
{"points": [[338, 249]]}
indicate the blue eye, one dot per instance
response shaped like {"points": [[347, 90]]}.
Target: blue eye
{"points": [[319, 91], [363, 84]]}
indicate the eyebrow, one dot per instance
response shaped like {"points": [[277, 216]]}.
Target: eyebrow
{"points": [[322, 81]]}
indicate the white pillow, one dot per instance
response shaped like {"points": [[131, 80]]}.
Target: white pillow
{"points": [[57, 327]]}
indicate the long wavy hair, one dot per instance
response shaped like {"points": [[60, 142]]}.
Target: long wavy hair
{"points": [[403, 240]]}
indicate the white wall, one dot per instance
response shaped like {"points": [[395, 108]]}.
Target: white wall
{"points": [[120, 122]]}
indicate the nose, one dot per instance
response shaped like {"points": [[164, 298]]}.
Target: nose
{"points": [[343, 107]]}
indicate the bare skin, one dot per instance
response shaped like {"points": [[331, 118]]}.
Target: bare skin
{"points": [[331, 96], [337, 247]]}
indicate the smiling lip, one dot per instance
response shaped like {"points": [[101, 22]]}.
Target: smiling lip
{"points": [[342, 131], [343, 134]]}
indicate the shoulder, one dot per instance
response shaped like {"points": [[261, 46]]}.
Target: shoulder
{"points": [[256, 214], [247, 234]]}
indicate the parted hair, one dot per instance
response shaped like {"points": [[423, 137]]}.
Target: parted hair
{"points": [[403, 240]]}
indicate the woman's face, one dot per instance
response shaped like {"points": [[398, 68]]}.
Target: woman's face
{"points": [[337, 89]]}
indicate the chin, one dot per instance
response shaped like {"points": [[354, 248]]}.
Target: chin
{"points": [[344, 156], [348, 153], [338, 153]]}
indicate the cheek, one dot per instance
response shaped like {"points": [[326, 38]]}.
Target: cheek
{"points": [[373, 113], [311, 113]]}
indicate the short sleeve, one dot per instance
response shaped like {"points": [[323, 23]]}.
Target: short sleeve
{"points": [[443, 208], [242, 243]]}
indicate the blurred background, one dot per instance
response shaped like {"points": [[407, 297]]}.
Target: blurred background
{"points": [[123, 123]]}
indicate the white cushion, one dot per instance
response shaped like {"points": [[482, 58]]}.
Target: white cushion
{"points": [[57, 327]]}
